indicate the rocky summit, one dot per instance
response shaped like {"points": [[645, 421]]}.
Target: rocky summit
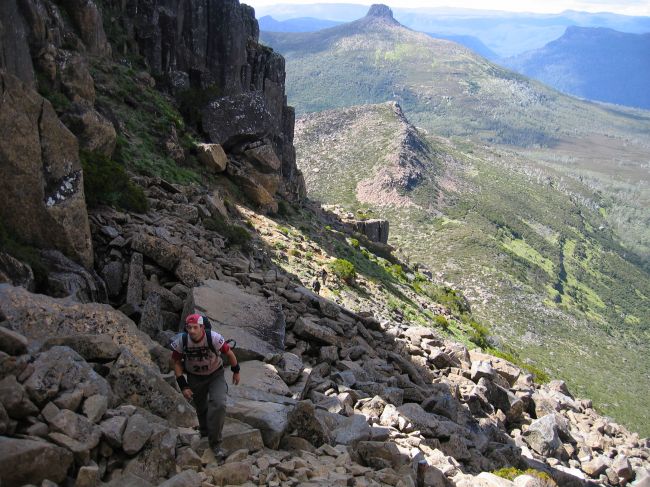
{"points": [[149, 170]]}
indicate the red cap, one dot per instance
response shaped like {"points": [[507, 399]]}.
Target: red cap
{"points": [[194, 319]]}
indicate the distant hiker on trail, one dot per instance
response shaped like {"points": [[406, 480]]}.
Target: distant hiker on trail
{"points": [[315, 285], [198, 353], [323, 275]]}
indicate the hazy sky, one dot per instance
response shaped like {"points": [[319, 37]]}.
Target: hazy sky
{"points": [[627, 7]]}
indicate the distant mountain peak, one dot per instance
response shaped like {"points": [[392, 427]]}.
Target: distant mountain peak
{"points": [[381, 11]]}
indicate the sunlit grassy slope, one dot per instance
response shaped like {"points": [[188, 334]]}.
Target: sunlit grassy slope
{"points": [[524, 237]]}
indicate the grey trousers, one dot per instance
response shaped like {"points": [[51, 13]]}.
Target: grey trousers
{"points": [[209, 395]]}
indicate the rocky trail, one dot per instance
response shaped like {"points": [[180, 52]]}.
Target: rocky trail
{"points": [[328, 396]]}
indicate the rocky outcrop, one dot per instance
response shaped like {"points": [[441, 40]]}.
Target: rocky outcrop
{"points": [[375, 230], [41, 189], [198, 45]]}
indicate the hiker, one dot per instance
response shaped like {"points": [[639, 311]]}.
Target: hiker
{"points": [[323, 275], [315, 285], [198, 352]]}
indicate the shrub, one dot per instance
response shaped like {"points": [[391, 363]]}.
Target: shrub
{"points": [[294, 252], [478, 334], [442, 322], [235, 234], [107, 182], [192, 101], [354, 243], [283, 208], [343, 269]]}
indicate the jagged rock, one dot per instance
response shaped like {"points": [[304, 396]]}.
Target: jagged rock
{"points": [[16, 272], [269, 417], [66, 278], [25, 461], [265, 157], [307, 424], [380, 455], [14, 399], [375, 230], [481, 369], [187, 478], [310, 330], [113, 430], [139, 384], [112, 275], [161, 252], [151, 321], [94, 407], [62, 369], [14, 49], [157, 460], [235, 473], [41, 192], [88, 476], [236, 435], [137, 432], [542, 435], [212, 156], [78, 427], [94, 131], [353, 430], [40, 317], [290, 367], [93, 348], [256, 324], [214, 203], [135, 284], [88, 21], [11, 342]]}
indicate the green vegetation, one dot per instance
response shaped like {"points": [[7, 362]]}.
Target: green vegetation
{"points": [[510, 473], [107, 183], [235, 234], [150, 123], [523, 237], [192, 100], [343, 269]]}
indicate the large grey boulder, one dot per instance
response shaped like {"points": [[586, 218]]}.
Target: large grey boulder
{"points": [[269, 417], [25, 461], [41, 191], [257, 324], [40, 317], [237, 435], [543, 435], [157, 460], [61, 369], [375, 230], [139, 384]]}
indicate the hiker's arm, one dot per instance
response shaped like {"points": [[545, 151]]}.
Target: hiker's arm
{"points": [[180, 379], [234, 365]]}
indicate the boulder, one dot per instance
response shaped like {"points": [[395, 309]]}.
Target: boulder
{"points": [[14, 399], [212, 156], [261, 377], [375, 230], [41, 192], [16, 272], [542, 435], [265, 157], [164, 254], [234, 473], [256, 324], [379, 455], [269, 417], [157, 459], [237, 435], [61, 369], [40, 317], [505, 369], [139, 384], [94, 131], [11, 342], [93, 348], [113, 430], [24, 461], [67, 278], [304, 421], [78, 427], [136, 433], [187, 478], [353, 430], [290, 367], [309, 330]]}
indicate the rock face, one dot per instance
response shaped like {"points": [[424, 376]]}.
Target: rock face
{"points": [[375, 230], [199, 44], [41, 188]]}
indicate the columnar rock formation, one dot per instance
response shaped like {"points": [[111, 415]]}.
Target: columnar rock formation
{"points": [[204, 45]]}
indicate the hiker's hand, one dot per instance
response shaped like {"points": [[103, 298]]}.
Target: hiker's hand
{"points": [[235, 378], [187, 393]]}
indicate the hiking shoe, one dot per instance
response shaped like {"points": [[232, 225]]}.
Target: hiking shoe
{"points": [[219, 454]]}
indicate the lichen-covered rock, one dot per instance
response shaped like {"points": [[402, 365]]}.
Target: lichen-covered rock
{"points": [[41, 191], [25, 461]]}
